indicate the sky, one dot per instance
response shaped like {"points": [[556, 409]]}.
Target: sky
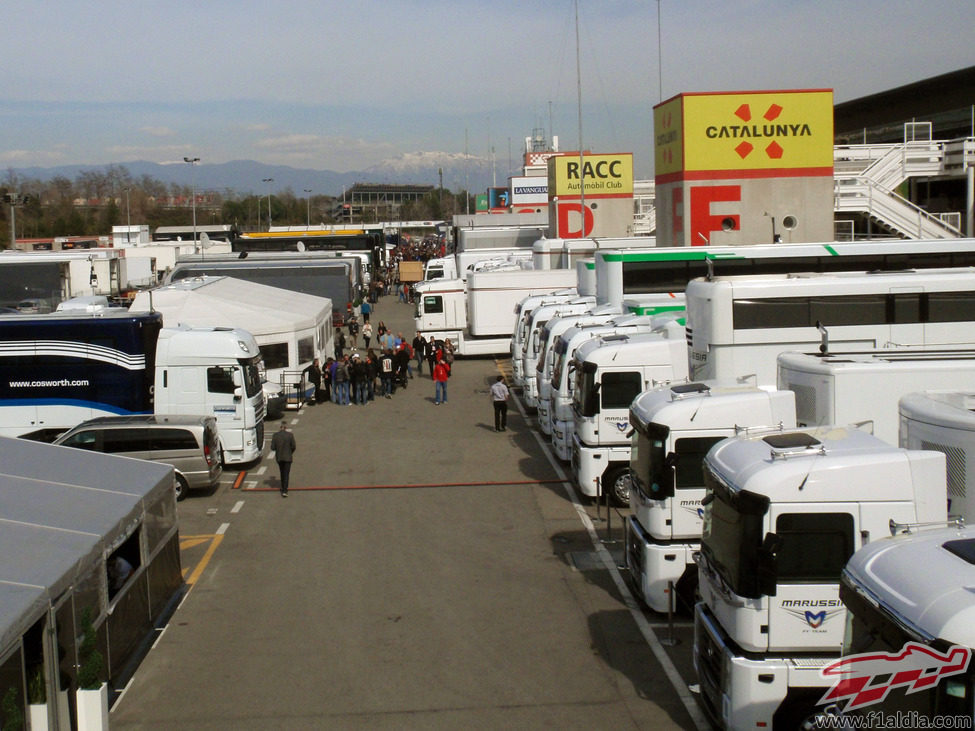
{"points": [[343, 86]]}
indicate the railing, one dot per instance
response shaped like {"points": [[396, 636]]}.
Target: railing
{"points": [[861, 194]]}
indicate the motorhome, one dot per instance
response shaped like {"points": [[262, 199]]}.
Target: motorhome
{"points": [[60, 369], [736, 326], [674, 426], [783, 514], [610, 372], [478, 316], [864, 388], [911, 609]]}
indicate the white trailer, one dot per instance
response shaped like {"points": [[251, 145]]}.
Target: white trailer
{"points": [[610, 372], [864, 388], [674, 426], [909, 598], [944, 421], [782, 516], [478, 315]]}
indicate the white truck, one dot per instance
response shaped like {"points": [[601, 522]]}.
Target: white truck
{"points": [[478, 315], [214, 371], [551, 333], [783, 514], [674, 426], [610, 372], [560, 388], [533, 343], [944, 421], [523, 320], [850, 388], [910, 606]]}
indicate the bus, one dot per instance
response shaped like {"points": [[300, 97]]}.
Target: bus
{"points": [[737, 326], [622, 273]]}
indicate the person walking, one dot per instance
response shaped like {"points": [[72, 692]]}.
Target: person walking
{"points": [[420, 352], [386, 373], [367, 333], [440, 374], [499, 397], [283, 445]]}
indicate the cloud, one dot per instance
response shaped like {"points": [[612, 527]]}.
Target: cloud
{"points": [[24, 157], [158, 131], [146, 152]]}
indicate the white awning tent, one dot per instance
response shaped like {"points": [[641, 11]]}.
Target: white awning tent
{"points": [[272, 315], [63, 513]]}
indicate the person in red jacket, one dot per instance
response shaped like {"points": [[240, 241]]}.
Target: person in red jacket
{"points": [[441, 371]]}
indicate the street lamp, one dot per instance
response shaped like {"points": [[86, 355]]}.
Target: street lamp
{"points": [[192, 161], [268, 181], [308, 201], [128, 219]]}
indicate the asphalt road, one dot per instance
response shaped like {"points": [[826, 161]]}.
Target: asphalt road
{"points": [[425, 572]]}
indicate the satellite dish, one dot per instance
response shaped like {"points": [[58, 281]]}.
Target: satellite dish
{"points": [[300, 246], [789, 223], [205, 241]]}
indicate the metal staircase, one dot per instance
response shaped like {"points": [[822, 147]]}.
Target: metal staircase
{"points": [[866, 176]]}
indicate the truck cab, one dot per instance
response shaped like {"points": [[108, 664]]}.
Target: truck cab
{"points": [[674, 426], [783, 514], [214, 371], [610, 372]]}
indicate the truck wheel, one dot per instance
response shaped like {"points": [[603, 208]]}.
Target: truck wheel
{"points": [[617, 484], [181, 487]]}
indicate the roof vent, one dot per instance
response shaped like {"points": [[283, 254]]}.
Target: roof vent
{"points": [[793, 444], [683, 390]]}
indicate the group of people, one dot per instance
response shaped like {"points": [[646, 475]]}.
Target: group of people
{"points": [[358, 378]]}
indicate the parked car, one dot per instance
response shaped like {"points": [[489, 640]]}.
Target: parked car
{"points": [[188, 443]]}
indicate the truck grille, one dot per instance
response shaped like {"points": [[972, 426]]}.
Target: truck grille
{"points": [[709, 662], [634, 549]]}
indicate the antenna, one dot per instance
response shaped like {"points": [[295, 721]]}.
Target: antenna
{"points": [[824, 338]]}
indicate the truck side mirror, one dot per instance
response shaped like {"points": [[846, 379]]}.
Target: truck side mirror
{"points": [[767, 574], [238, 394], [663, 480]]}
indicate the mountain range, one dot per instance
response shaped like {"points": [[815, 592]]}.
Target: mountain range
{"points": [[244, 177]]}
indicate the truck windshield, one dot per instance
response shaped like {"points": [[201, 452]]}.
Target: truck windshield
{"points": [[557, 370], [252, 376], [647, 455], [585, 398], [732, 535], [872, 629]]}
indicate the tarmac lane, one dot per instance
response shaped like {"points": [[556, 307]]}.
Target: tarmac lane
{"points": [[424, 572]]}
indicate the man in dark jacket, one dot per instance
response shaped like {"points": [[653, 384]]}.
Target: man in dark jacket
{"points": [[283, 445]]}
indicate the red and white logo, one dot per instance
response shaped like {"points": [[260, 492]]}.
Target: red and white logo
{"points": [[867, 678]]}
